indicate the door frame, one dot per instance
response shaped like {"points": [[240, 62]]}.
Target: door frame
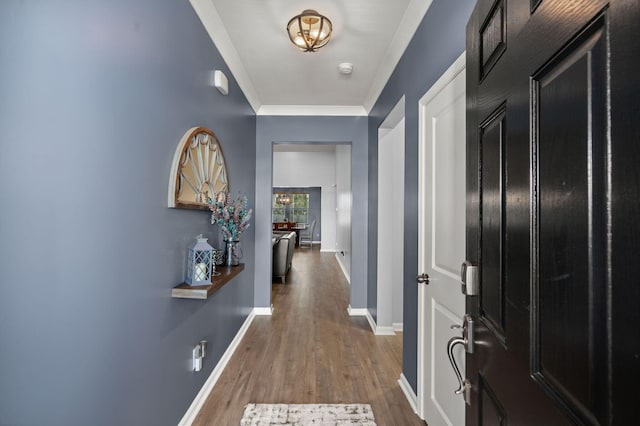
{"points": [[388, 246], [458, 66]]}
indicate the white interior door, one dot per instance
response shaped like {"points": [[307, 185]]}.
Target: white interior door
{"points": [[441, 244]]}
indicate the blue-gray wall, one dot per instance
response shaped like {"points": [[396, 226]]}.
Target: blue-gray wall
{"points": [[315, 205], [94, 97], [437, 43], [338, 130]]}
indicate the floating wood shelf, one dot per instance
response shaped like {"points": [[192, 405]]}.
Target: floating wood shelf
{"points": [[186, 291]]}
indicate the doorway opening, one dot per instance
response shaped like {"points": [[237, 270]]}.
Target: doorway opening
{"points": [[321, 172], [391, 148]]}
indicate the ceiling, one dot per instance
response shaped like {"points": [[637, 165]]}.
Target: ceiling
{"points": [[279, 79]]}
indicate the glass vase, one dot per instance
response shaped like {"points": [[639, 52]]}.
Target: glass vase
{"points": [[233, 253]]}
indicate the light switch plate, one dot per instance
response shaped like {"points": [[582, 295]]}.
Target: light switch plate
{"points": [[197, 358]]}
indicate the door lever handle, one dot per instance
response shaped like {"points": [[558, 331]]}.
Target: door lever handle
{"points": [[464, 385], [453, 342]]}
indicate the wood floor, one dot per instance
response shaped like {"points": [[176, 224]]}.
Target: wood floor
{"points": [[311, 351]]}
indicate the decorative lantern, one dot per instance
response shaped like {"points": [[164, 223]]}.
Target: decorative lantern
{"points": [[200, 266]]}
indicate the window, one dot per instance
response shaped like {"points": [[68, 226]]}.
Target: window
{"points": [[300, 208], [297, 211], [278, 211]]}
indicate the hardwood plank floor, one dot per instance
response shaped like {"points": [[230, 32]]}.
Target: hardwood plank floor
{"points": [[311, 351]]}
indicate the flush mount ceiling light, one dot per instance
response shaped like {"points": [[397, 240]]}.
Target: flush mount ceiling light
{"points": [[309, 31]]}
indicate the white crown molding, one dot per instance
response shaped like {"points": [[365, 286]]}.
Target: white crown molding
{"points": [[406, 29], [313, 110], [212, 22], [206, 389]]}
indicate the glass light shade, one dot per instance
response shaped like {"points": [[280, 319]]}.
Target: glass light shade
{"points": [[309, 31], [283, 199]]}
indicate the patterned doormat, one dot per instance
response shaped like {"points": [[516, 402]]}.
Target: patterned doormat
{"points": [[308, 414]]}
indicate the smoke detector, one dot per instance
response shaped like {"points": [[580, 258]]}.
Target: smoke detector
{"points": [[345, 68]]}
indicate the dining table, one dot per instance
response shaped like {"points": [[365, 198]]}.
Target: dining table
{"points": [[290, 227]]}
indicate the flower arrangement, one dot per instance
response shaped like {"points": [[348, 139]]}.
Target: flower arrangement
{"points": [[232, 216]]}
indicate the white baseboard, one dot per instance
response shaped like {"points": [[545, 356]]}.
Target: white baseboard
{"points": [[408, 393], [263, 311], [344, 270], [357, 312], [372, 323], [398, 326], [384, 331], [364, 312], [327, 250], [379, 330], [206, 389]]}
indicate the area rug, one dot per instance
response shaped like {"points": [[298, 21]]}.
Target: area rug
{"points": [[308, 414]]}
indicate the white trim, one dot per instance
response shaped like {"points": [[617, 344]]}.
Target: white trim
{"points": [[357, 312], [212, 22], [344, 270], [447, 77], [372, 323], [314, 110], [384, 331], [398, 327], [379, 330], [206, 389], [391, 170], [263, 311], [408, 392], [416, 10], [327, 250]]}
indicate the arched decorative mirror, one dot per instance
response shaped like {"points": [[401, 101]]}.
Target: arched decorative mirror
{"points": [[198, 170]]}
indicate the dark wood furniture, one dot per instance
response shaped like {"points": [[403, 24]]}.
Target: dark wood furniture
{"points": [[186, 291], [289, 227]]}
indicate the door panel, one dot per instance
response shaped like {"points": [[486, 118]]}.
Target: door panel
{"points": [[553, 201], [493, 36], [491, 411], [441, 248], [569, 177], [447, 183], [492, 178], [442, 381]]}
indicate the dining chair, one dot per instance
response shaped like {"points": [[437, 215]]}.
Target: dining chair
{"points": [[306, 236]]}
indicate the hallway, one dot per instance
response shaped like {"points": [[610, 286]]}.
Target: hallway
{"points": [[311, 351]]}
